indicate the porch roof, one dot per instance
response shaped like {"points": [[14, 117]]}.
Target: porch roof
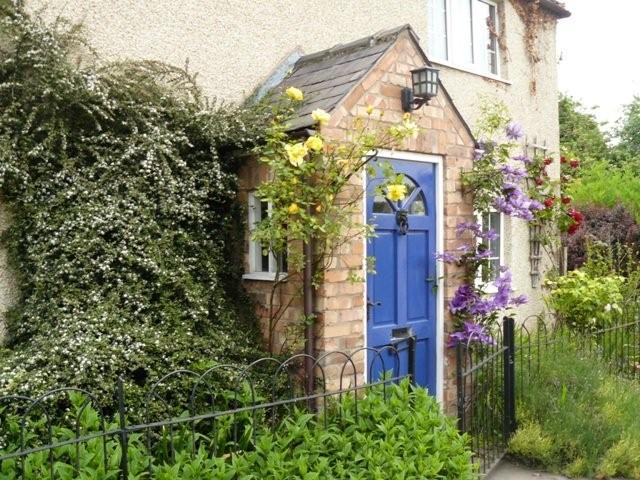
{"points": [[328, 76]]}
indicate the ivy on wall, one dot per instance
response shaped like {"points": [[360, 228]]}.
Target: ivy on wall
{"points": [[121, 181]]}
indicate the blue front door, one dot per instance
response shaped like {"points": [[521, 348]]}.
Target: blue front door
{"points": [[401, 296]]}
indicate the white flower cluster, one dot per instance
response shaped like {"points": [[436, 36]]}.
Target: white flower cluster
{"points": [[124, 198]]}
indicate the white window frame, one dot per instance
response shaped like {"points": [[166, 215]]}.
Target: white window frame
{"points": [[255, 250], [491, 288], [450, 32]]}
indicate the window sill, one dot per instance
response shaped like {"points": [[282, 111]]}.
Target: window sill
{"points": [[461, 68], [264, 276]]}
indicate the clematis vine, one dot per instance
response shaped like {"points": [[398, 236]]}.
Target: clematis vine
{"points": [[474, 308], [470, 333]]}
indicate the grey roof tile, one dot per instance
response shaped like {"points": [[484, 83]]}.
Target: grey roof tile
{"points": [[326, 77]]}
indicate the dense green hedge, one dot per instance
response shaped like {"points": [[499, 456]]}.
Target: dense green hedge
{"points": [[126, 229], [402, 436]]}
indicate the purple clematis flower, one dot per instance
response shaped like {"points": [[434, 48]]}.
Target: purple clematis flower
{"points": [[471, 333], [513, 174], [446, 257], [514, 131], [523, 158]]}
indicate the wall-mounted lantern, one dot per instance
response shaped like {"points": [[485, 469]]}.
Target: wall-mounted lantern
{"points": [[424, 83]]}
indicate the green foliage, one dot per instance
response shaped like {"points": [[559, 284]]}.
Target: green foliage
{"points": [[582, 300], [628, 133], [402, 436], [531, 443], [604, 185], [580, 132], [578, 418], [125, 225]]}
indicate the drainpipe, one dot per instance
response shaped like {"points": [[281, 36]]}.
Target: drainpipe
{"points": [[309, 313]]}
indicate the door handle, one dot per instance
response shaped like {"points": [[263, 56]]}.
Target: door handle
{"points": [[373, 304]]}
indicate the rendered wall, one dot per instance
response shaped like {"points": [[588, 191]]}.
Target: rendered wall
{"points": [[235, 45]]}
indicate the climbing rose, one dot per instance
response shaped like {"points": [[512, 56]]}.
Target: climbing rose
{"points": [[293, 209], [548, 161], [296, 153], [549, 202], [320, 116], [575, 163], [294, 94], [314, 143], [396, 192]]}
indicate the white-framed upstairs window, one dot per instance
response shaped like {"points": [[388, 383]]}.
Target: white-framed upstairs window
{"points": [[263, 265], [464, 33], [492, 221]]}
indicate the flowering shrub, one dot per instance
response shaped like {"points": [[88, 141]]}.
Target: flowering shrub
{"points": [[125, 228], [613, 226], [585, 301]]}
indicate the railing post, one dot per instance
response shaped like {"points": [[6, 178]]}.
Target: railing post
{"points": [[509, 378], [124, 438], [411, 358], [460, 386]]}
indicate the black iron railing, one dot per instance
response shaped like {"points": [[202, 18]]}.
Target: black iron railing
{"points": [[616, 344], [486, 394], [246, 402]]}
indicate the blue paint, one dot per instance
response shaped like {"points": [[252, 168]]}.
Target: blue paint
{"points": [[401, 293]]}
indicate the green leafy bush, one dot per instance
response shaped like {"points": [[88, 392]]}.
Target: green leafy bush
{"points": [[581, 300], [126, 232], [607, 186], [577, 418], [402, 436]]}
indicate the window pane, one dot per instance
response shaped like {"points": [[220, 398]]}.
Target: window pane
{"points": [[437, 33], [491, 221], [494, 224], [485, 43], [461, 36], [380, 205]]}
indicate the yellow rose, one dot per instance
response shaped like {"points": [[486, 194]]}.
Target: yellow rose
{"points": [[293, 209], [314, 143], [294, 94], [411, 128], [320, 116], [396, 191], [319, 208], [369, 109], [296, 153]]}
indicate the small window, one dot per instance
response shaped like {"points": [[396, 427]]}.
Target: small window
{"points": [[262, 264], [492, 221], [414, 204], [464, 32]]}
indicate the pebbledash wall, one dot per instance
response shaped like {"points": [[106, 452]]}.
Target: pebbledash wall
{"points": [[236, 45]]}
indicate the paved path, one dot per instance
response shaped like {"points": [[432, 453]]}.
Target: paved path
{"points": [[508, 471]]}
